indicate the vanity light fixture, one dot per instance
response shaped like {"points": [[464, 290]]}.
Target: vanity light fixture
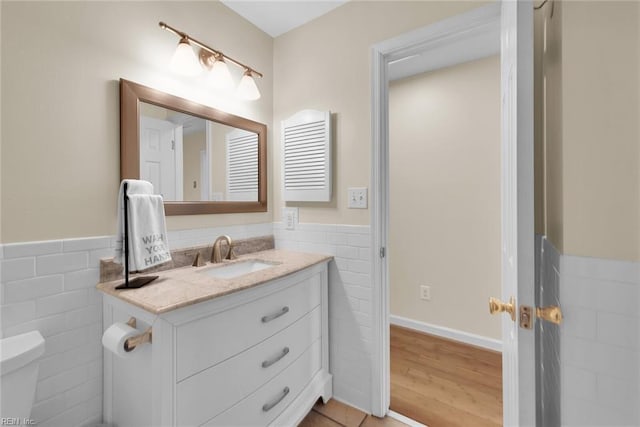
{"points": [[186, 62], [247, 88], [219, 74]]}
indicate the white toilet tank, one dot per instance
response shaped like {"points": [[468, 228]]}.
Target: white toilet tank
{"points": [[19, 373]]}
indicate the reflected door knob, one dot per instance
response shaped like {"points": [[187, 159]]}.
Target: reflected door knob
{"points": [[497, 306]]}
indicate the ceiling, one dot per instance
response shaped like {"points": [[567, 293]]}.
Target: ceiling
{"points": [[278, 17]]}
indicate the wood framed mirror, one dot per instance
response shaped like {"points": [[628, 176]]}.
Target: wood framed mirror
{"points": [[200, 159]]}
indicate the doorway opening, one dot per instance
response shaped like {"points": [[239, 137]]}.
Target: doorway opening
{"points": [[504, 28], [444, 242]]}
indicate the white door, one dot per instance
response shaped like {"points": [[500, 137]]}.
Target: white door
{"points": [[516, 34], [158, 159], [518, 354]]}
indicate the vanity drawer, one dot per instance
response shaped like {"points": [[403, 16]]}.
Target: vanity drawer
{"points": [[205, 342], [205, 395], [266, 403]]}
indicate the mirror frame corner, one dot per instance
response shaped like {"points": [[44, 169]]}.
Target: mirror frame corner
{"points": [[131, 94]]}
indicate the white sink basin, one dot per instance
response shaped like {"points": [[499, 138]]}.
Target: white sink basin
{"points": [[236, 269]]}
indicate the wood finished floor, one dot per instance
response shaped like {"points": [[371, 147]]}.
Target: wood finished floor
{"points": [[440, 382], [337, 414]]}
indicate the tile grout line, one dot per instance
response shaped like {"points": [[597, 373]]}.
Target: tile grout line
{"points": [[329, 418]]}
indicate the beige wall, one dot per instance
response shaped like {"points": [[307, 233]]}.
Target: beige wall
{"points": [[444, 218], [153, 111], [59, 110], [192, 144], [549, 125], [219, 158], [600, 132], [325, 65], [593, 139], [538, 127], [588, 194], [61, 62]]}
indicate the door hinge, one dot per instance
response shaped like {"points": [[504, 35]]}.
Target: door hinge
{"points": [[382, 252], [173, 145]]}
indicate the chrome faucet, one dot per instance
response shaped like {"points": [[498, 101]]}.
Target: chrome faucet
{"points": [[216, 257]]}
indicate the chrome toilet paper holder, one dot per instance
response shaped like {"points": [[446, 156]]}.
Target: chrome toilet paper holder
{"points": [[131, 343]]}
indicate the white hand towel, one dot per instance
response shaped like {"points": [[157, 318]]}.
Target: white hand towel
{"points": [[147, 230], [134, 186], [148, 244]]}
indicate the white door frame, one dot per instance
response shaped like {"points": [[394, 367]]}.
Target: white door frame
{"points": [[435, 36]]}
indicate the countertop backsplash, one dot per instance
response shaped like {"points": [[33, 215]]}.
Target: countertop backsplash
{"points": [[110, 270]]}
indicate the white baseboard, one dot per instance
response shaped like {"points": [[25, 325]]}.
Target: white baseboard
{"points": [[408, 421], [453, 334], [346, 402]]}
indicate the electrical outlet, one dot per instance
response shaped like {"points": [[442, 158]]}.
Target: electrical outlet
{"points": [[290, 218], [425, 293], [357, 198]]}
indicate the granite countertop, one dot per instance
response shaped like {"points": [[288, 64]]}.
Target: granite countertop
{"points": [[185, 286]]}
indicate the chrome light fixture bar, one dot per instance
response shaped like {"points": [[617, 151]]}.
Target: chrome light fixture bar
{"points": [[184, 61]]}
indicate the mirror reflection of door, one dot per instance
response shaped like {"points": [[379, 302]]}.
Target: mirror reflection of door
{"points": [[188, 158], [160, 141]]}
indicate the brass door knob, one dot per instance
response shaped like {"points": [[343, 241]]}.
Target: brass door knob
{"points": [[551, 314], [497, 306]]}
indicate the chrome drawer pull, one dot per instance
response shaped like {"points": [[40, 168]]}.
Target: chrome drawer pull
{"points": [[269, 405], [268, 363], [273, 316]]}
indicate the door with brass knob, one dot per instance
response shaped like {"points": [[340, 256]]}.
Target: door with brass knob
{"points": [[515, 22]]}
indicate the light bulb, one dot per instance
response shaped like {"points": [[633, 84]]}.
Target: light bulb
{"points": [[220, 77], [247, 88], [184, 60]]}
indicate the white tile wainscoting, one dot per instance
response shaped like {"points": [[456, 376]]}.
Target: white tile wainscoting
{"points": [[600, 341], [50, 286], [549, 376], [349, 302]]}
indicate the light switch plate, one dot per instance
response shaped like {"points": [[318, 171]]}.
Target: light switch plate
{"points": [[357, 198], [290, 218]]}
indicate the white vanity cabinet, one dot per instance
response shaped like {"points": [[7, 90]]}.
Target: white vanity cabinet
{"points": [[256, 357]]}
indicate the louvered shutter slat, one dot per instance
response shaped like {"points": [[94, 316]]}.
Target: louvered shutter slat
{"points": [[242, 165], [306, 154]]}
